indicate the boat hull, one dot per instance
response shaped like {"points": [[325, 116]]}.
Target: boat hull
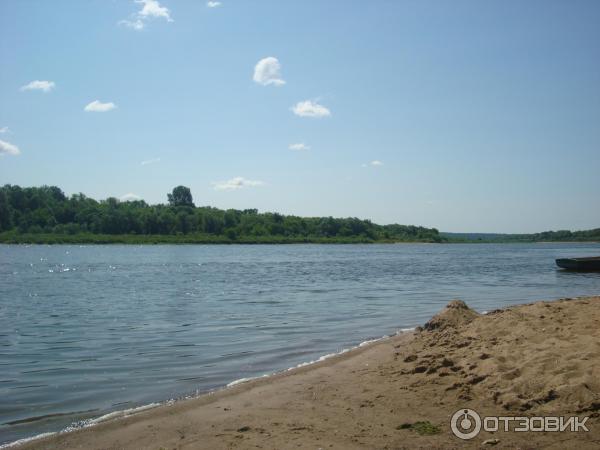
{"points": [[581, 264]]}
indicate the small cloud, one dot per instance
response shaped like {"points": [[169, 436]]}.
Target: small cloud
{"points": [[136, 24], [6, 148], [151, 9], [38, 85], [299, 146], [236, 183], [268, 71], [308, 108], [376, 163], [98, 106], [4, 130], [150, 161], [130, 197], [213, 4]]}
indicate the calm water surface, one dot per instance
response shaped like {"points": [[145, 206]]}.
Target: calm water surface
{"points": [[85, 330]]}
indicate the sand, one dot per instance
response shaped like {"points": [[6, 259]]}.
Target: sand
{"points": [[530, 360]]}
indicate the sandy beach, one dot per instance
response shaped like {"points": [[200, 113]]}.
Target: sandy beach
{"points": [[540, 359]]}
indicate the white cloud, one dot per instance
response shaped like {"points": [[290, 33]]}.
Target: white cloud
{"points": [[38, 85], [150, 161], [6, 148], [153, 9], [376, 163], [4, 130], [268, 71], [213, 4], [308, 108], [98, 106], [236, 183], [130, 197], [136, 24], [299, 146]]}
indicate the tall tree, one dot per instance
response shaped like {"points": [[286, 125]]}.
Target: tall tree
{"points": [[181, 196], [5, 219]]}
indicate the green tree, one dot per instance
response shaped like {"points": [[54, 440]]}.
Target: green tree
{"points": [[181, 196], [5, 215]]}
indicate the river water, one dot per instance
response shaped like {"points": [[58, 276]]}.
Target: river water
{"points": [[86, 330]]}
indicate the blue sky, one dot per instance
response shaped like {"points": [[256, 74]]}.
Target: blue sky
{"points": [[462, 115]]}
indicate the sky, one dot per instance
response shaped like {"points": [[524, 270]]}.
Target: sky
{"points": [[467, 116]]}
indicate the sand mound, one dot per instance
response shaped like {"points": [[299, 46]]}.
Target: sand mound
{"points": [[455, 315]]}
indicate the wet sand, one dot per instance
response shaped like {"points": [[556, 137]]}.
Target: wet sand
{"points": [[538, 359]]}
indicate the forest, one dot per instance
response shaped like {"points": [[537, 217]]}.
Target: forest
{"points": [[544, 236], [46, 215]]}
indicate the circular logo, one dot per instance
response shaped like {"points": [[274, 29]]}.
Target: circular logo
{"points": [[465, 424]]}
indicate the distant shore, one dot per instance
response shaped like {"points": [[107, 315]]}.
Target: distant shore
{"points": [[540, 359], [137, 239]]}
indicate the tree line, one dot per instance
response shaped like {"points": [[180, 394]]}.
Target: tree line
{"points": [[544, 236], [46, 212]]}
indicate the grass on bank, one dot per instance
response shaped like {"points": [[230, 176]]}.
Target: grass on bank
{"points": [[12, 237]]}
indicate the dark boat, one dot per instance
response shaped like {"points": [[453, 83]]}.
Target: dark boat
{"points": [[584, 264]]}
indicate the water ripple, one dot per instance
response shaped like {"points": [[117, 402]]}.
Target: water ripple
{"points": [[88, 329]]}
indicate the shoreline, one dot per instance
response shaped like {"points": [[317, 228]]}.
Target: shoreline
{"points": [[371, 394], [129, 412], [10, 237], [119, 241]]}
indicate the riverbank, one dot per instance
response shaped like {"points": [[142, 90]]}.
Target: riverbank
{"points": [[11, 237], [137, 239], [539, 359]]}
